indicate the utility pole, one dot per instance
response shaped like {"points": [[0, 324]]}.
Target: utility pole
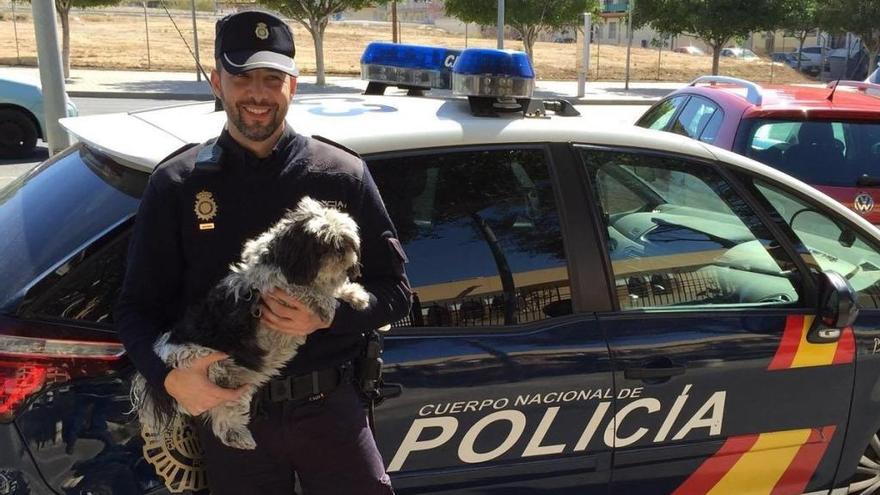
{"points": [[196, 43], [500, 24], [147, 31], [629, 44], [395, 36], [15, 30], [51, 75], [582, 76]]}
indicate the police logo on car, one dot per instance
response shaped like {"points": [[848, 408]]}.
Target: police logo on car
{"points": [[176, 454]]}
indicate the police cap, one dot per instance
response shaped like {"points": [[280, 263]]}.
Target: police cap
{"points": [[254, 40]]}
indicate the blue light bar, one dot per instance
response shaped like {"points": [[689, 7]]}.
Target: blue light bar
{"points": [[487, 61], [493, 73], [408, 65]]}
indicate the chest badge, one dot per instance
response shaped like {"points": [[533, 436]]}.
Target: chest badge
{"points": [[205, 209], [262, 30]]}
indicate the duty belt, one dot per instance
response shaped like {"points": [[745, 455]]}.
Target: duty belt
{"points": [[308, 387]]}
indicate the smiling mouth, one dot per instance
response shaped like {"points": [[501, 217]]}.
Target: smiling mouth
{"points": [[257, 111]]}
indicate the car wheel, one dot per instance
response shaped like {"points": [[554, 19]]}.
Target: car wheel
{"points": [[18, 134], [867, 477]]}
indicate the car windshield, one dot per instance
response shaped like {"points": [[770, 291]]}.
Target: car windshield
{"points": [[50, 213], [826, 153]]}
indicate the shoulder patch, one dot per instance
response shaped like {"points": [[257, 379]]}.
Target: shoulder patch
{"points": [[209, 156], [335, 145]]}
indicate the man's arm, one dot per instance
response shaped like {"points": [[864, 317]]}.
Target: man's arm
{"points": [[382, 266], [150, 292]]}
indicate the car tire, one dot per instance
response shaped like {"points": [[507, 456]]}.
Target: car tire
{"points": [[867, 477], [18, 134]]}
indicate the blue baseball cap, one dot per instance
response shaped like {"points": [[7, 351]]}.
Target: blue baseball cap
{"points": [[254, 39]]}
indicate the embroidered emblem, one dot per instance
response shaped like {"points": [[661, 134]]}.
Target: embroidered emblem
{"points": [[334, 203], [176, 454], [262, 30], [205, 207]]}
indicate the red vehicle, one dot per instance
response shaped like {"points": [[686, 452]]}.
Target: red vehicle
{"points": [[828, 136]]}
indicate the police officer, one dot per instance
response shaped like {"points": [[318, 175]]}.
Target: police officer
{"points": [[196, 213]]}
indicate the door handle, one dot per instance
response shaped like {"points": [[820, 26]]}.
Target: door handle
{"points": [[653, 373]]}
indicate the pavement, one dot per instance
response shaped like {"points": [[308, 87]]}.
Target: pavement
{"points": [[98, 83]]}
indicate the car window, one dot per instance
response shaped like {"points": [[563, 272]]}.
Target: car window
{"points": [[694, 117], [659, 116], [694, 243], [830, 153], [482, 234], [85, 288], [710, 132], [829, 244], [77, 196]]}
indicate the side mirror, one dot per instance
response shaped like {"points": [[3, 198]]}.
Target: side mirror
{"points": [[837, 309]]}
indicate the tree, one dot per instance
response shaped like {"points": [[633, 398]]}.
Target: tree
{"points": [[63, 8], [314, 15], [715, 22], [858, 17], [529, 17], [801, 18]]}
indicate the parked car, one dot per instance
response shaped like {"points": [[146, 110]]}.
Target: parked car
{"points": [[740, 53], [813, 63], [22, 119], [874, 77], [689, 50], [828, 137], [597, 310]]}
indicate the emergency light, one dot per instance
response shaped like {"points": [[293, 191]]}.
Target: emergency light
{"points": [[407, 66], [488, 73]]}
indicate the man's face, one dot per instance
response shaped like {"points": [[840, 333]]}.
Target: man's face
{"points": [[255, 101]]}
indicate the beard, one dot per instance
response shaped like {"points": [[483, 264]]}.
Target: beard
{"points": [[254, 132]]}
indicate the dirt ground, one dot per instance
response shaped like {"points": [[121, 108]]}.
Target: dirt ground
{"points": [[119, 41]]}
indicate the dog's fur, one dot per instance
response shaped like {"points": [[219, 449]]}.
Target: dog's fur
{"points": [[311, 253]]}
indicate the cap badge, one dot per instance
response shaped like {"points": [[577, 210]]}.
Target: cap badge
{"points": [[262, 30]]}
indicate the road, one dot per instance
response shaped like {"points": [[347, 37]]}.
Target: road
{"points": [[10, 169]]}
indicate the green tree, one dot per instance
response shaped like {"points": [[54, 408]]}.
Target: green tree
{"points": [[314, 15], [529, 17], [859, 17], [801, 17], [715, 22]]}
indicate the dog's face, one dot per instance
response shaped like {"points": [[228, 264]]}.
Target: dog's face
{"points": [[315, 244]]}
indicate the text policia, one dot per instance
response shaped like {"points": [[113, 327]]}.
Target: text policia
{"points": [[437, 424]]}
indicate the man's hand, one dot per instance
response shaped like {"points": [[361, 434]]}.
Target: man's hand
{"points": [[191, 388], [284, 313]]}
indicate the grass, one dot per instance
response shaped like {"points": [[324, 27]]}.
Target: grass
{"points": [[118, 41]]}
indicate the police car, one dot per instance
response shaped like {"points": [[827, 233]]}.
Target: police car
{"points": [[596, 310]]}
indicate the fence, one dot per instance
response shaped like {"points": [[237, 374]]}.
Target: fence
{"points": [[143, 37]]}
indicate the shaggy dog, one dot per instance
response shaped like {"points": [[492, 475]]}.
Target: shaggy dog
{"points": [[312, 253]]}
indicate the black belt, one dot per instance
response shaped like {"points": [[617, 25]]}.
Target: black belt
{"points": [[309, 387]]}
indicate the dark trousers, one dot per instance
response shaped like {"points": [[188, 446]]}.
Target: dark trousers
{"points": [[327, 442]]}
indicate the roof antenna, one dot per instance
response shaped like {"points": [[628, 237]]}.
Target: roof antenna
{"points": [[833, 89]]}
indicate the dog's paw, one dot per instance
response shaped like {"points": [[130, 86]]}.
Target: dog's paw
{"points": [[360, 300], [239, 438]]}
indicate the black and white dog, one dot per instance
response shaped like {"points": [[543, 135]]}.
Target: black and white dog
{"points": [[312, 253]]}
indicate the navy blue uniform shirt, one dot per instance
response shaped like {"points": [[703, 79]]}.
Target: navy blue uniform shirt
{"points": [[202, 205]]}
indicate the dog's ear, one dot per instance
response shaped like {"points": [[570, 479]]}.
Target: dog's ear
{"points": [[297, 254]]}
